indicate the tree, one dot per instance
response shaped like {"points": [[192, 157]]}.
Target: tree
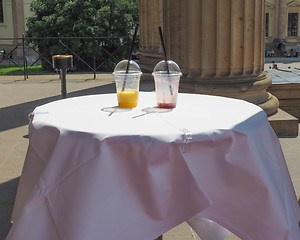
{"points": [[82, 18]]}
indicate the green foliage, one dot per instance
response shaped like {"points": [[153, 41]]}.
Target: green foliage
{"points": [[82, 18], [12, 69]]}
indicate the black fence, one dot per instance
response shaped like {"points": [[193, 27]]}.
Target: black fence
{"points": [[103, 52]]}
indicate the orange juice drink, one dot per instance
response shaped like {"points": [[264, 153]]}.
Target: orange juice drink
{"points": [[128, 98], [127, 77]]}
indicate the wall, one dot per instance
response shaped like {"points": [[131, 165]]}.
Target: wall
{"points": [[6, 28], [27, 12], [15, 14], [278, 19]]}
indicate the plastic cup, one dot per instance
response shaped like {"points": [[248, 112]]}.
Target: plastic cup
{"points": [[166, 84], [127, 84], [128, 96]]}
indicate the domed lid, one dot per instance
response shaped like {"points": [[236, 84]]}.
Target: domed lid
{"points": [[121, 67], [162, 68]]}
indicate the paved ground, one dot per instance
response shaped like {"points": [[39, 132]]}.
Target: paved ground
{"points": [[19, 97], [288, 70]]}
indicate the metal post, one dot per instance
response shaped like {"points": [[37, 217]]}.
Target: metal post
{"points": [[58, 43], [63, 73], [62, 62], [94, 67], [24, 58]]}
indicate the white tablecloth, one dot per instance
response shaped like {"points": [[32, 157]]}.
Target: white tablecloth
{"points": [[94, 171]]}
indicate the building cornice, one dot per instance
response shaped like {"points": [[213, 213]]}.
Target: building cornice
{"points": [[293, 4], [270, 5]]}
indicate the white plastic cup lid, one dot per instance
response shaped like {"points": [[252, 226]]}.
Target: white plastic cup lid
{"points": [[121, 68], [162, 68]]}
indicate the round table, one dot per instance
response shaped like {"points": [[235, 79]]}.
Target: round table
{"points": [[93, 169]]}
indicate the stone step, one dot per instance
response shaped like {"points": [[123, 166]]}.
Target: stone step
{"points": [[288, 96], [284, 124]]}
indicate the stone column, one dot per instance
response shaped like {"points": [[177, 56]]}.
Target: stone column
{"points": [[219, 44], [18, 23], [176, 32], [151, 17], [282, 20], [18, 18]]}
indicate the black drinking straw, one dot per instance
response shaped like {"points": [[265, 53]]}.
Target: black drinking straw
{"points": [[164, 49], [130, 55], [165, 55]]}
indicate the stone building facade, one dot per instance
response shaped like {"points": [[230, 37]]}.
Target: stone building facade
{"points": [[13, 14], [282, 23]]}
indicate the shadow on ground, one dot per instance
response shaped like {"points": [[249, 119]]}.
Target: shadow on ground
{"points": [[17, 115], [8, 192]]}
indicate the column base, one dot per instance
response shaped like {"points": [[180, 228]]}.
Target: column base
{"points": [[253, 90], [271, 105], [148, 60]]}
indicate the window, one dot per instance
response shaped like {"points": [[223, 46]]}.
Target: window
{"points": [[293, 24], [267, 24], [1, 12]]}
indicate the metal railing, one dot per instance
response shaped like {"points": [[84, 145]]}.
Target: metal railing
{"points": [[117, 53]]}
